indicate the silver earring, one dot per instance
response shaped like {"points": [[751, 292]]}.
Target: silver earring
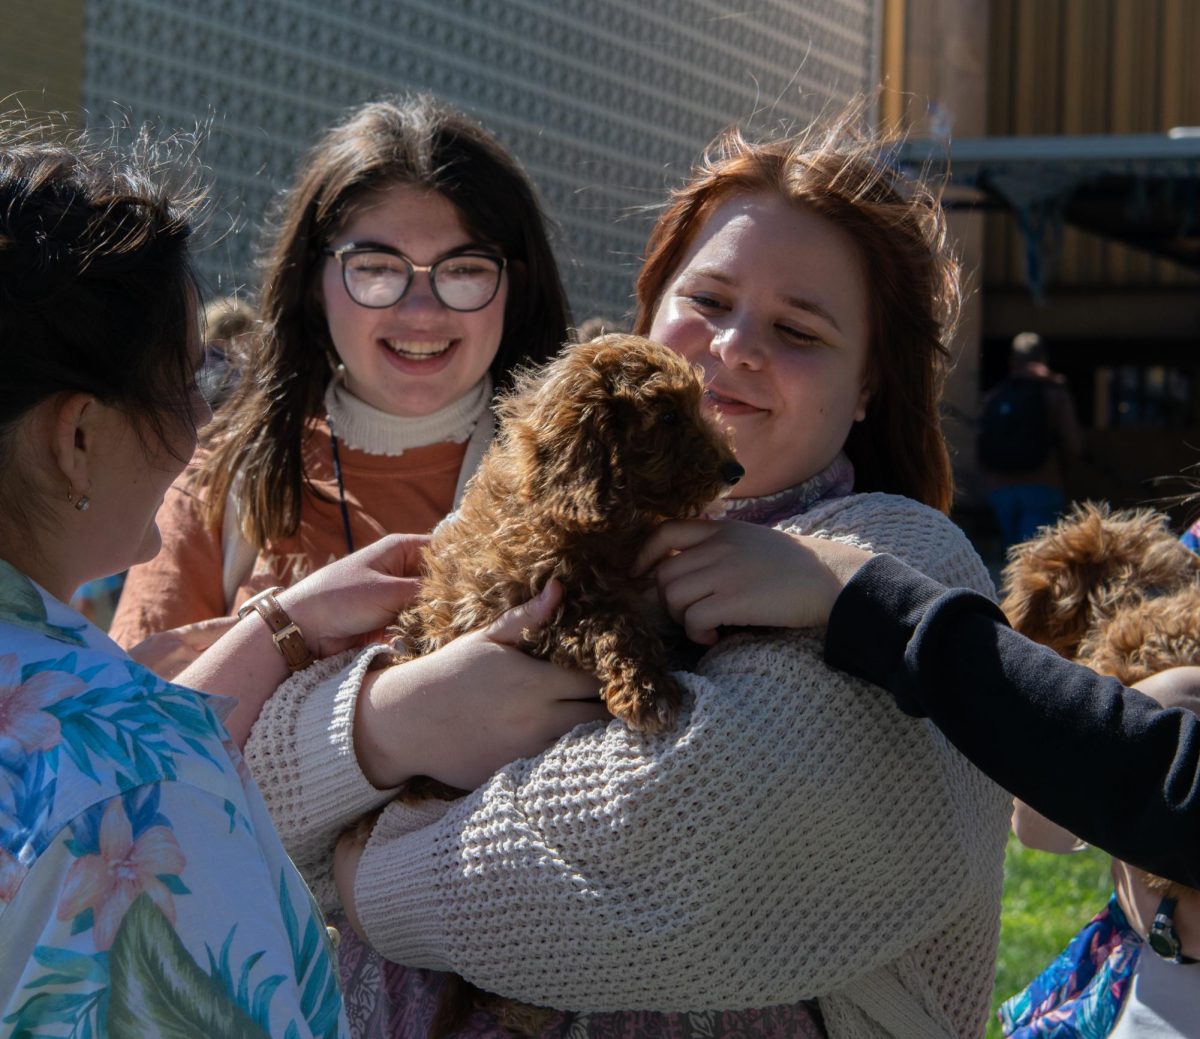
{"points": [[81, 503]]}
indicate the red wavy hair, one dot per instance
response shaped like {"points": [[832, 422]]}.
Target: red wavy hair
{"points": [[913, 282]]}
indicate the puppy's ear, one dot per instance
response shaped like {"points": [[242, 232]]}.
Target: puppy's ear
{"points": [[1049, 580], [577, 475], [563, 442]]}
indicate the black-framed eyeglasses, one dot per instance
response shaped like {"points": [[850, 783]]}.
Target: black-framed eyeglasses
{"points": [[378, 277]]}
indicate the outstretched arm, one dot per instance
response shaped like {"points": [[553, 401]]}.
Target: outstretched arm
{"points": [[336, 608], [1035, 723], [1040, 726]]}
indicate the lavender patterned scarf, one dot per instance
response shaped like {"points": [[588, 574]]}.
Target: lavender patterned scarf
{"points": [[835, 481]]}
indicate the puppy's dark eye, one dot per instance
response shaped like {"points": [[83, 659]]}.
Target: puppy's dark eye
{"points": [[669, 418]]}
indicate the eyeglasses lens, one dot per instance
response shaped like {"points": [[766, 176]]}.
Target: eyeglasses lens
{"points": [[379, 279], [466, 282], [375, 279]]}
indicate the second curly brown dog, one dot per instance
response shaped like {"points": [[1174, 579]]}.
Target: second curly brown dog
{"points": [[1115, 591], [1146, 637], [593, 451], [1091, 564]]}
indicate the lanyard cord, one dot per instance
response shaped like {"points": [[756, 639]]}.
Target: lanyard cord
{"points": [[337, 472]]}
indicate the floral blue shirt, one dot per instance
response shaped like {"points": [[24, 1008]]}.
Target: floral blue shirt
{"points": [[1079, 996], [143, 889]]}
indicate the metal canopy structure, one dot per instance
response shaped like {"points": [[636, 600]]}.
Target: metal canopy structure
{"points": [[1140, 189]]}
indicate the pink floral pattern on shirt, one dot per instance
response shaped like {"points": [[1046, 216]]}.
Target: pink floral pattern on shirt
{"points": [[123, 812], [26, 726], [109, 881]]}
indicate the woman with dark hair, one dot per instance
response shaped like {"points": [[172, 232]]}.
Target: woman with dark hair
{"points": [[143, 889], [123, 810], [408, 272], [796, 857]]}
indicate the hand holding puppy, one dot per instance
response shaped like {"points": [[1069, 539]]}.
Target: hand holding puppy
{"points": [[715, 573]]}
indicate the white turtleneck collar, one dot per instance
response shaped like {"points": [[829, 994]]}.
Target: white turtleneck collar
{"points": [[368, 429]]}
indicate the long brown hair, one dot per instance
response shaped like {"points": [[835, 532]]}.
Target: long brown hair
{"points": [[912, 281], [257, 437]]}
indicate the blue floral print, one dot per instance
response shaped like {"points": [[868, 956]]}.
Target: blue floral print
{"points": [[143, 890]]}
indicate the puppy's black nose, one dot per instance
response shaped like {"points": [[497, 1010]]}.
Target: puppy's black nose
{"points": [[731, 472]]}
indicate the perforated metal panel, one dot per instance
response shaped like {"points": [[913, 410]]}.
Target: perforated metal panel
{"points": [[605, 102]]}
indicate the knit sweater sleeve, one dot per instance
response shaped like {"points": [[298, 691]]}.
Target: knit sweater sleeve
{"points": [[301, 753], [794, 833], [182, 583]]}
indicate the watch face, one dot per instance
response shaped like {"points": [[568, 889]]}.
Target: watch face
{"points": [[1164, 942]]}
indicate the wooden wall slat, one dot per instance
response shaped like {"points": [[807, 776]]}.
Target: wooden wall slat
{"points": [[1089, 67]]}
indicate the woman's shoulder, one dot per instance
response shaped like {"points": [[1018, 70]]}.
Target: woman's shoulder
{"points": [[187, 498], [92, 722], [192, 490], [922, 537], [873, 504]]}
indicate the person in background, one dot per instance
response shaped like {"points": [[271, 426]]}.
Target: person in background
{"points": [[1191, 536], [595, 326], [228, 329], [97, 599], [407, 273], [1027, 440]]}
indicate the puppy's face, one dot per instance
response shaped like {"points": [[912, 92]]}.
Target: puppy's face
{"points": [[618, 437]]}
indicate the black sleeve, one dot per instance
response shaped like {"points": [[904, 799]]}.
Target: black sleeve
{"points": [[1104, 761]]}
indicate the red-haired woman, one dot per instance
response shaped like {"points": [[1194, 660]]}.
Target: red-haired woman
{"points": [[796, 857]]}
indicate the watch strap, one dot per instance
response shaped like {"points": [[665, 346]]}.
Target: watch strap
{"points": [[286, 635]]}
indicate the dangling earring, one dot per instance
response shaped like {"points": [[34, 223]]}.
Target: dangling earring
{"points": [[81, 503]]}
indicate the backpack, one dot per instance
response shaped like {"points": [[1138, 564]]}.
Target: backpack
{"points": [[1014, 429]]}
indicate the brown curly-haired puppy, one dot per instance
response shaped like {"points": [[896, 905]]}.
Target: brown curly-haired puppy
{"points": [[593, 450], [1116, 591], [1092, 563]]}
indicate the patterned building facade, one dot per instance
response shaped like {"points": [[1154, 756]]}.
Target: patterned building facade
{"points": [[605, 102]]}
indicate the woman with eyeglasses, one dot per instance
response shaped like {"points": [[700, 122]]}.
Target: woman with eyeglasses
{"points": [[408, 271], [795, 857]]}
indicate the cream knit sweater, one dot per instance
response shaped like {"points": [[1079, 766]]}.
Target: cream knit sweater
{"points": [[795, 836]]}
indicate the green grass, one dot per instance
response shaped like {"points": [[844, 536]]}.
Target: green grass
{"points": [[1047, 898]]}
